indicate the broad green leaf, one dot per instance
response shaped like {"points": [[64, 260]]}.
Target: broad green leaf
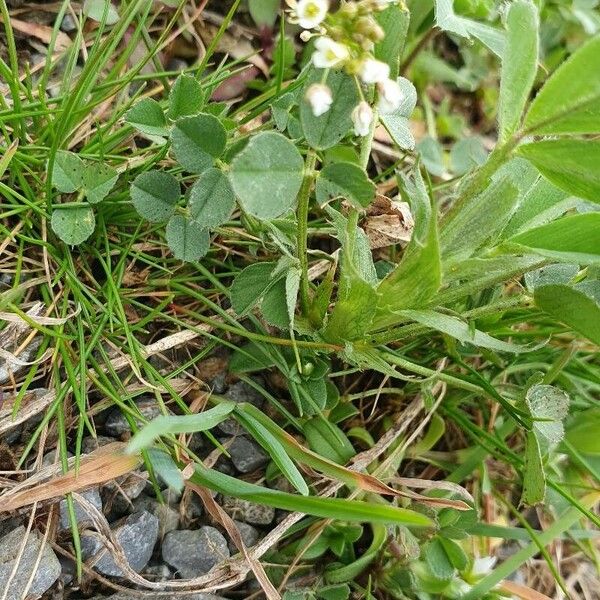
{"points": [[437, 559], [542, 203], [394, 21], [100, 9], [328, 129], [165, 468], [67, 172], [328, 440], [187, 239], [569, 102], [479, 221], [357, 259], [467, 154], [582, 431], [519, 65], [548, 407], [174, 424], [155, 195], [397, 123], [448, 20], [186, 97], [416, 279], [571, 306], [455, 553], [572, 165], [550, 274], [197, 141], [264, 12], [292, 287], [334, 508], [574, 239], [432, 156], [345, 180], [462, 331], [534, 478], [73, 224], [211, 199], [274, 449], [353, 315], [98, 180], [148, 117], [274, 307], [267, 174], [250, 285]]}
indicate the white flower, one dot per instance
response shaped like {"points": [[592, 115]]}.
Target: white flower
{"points": [[482, 566], [320, 99], [390, 96], [384, 3], [310, 13], [374, 71], [328, 53], [362, 117]]}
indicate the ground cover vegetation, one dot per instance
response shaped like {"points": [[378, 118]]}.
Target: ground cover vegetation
{"points": [[300, 300]]}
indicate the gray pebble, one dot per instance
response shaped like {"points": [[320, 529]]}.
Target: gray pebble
{"points": [[116, 424], [68, 24], [124, 596], [194, 553], [168, 517], [81, 515], [137, 534], [90, 444], [250, 535], [249, 512], [246, 455], [47, 572], [240, 391]]}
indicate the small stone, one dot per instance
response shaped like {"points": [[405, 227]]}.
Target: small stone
{"points": [[68, 24], [90, 444], [82, 517], [249, 512], [120, 493], [250, 535], [240, 391], [137, 534], [53, 458], [46, 573], [194, 553], [168, 517], [246, 455], [116, 424]]}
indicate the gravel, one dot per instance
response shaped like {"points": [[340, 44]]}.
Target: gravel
{"points": [[194, 552], [81, 515], [250, 535], [168, 517], [246, 455], [46, 573], [249, 512], [116, 424], [137, 534]]}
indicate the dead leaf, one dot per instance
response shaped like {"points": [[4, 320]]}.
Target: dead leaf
{"points": [[388, 222], [102, 465], [522, 591], [42, 33]]}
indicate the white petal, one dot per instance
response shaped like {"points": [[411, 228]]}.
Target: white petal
{"points": [[374, 71]]}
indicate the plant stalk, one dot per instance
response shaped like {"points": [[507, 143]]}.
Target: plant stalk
{"points": [[302, 242]]}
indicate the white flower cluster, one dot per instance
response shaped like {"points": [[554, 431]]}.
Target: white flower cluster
{"points": [[344, 40]]}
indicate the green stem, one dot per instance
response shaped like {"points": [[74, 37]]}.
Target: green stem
{"points": [[302, 242], [480, 178]]}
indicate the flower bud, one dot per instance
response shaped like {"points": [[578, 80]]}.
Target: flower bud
{"points": [[374, 71], [390, 96], [362, 117], [320, 99]]}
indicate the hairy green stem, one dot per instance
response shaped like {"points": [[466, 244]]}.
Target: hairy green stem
{"points": [[302, 242], [480, 178]]}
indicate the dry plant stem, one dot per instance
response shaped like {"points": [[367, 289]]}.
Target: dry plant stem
{"points": [[302, 243]]}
